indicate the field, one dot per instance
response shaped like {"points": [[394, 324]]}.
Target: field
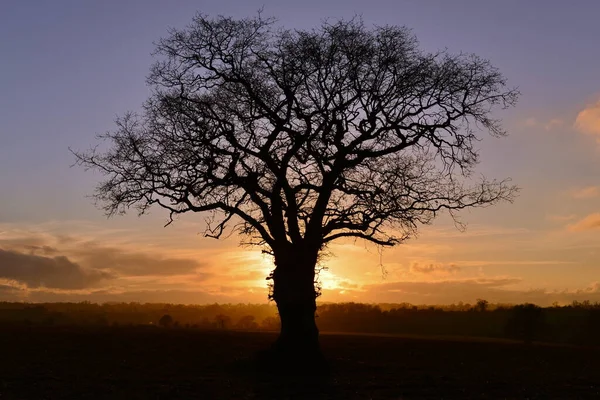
{"points": [[151, 363]]}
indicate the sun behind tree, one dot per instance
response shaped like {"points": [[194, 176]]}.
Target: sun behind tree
{"points": [[298, 138]]}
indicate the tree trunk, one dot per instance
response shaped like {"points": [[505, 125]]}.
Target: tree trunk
{"points": [[295, 296]]}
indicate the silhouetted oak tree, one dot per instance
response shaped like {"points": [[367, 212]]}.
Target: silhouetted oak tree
{"points": [[298, 138]]}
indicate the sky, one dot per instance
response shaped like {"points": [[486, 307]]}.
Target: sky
{"points": [[69, 68]]}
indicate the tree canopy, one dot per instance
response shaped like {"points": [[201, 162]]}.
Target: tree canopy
{"points": [[290, 136]]}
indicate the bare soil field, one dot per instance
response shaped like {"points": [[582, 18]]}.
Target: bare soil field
{"points": [[151, 363]]}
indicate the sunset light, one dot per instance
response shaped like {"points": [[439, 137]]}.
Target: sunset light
{"points": [[541, 248], [315, 199]]}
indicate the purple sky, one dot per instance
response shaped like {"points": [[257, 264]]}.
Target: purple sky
{"points": [[68, 68]]}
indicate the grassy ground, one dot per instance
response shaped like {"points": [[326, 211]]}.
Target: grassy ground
{"points": [[137, 363]]}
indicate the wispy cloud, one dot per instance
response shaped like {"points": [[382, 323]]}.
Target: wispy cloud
{"points": [[549, 124], [589, 222], [588, 192], [588, 120], [176, 296], [483, 263], [425, 286], [433, 268], [560, 217], [496, 290], [594, 287]]}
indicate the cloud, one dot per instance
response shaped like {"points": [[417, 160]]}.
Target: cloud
{"points": [[52, 272], [560, 218], [594, 287], [128, 263], [25, 242], [124, 260], [441, 292], [495, 290], [587, 192], [553, 123], [144, 268], [426, 286], [590, 222], [446, 290], [173, 296], [548, 125], [588, 120], [11, 292], [45, 250], [434, 268], [248, 276], [496, 263]]}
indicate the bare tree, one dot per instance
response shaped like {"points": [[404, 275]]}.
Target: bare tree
{"points": [[481, 305], [166, 321], [297, 138]]}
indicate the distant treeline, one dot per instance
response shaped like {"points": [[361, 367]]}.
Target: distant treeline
{"points": [[213, 316], [577, 323]]}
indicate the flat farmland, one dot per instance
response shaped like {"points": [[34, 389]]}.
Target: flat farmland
{"points": [[151, 363]]}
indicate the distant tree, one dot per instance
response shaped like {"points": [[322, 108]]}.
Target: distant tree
{"points": [[481, 305], [166, 321], [247, 323], [223, 321], [298, 138]]}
